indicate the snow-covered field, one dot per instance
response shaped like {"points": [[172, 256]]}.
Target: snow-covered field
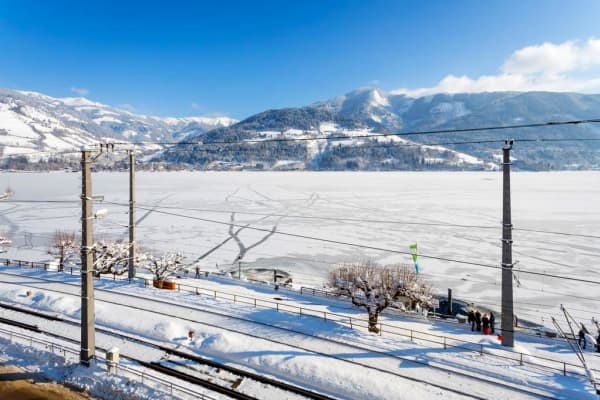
{"points": [[317, 354], [386, 210]]}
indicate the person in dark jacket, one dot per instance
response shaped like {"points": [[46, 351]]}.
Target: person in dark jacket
{"points": [[492, 321], [471, 319], [598, 342], [485, 320], [582, 337], [478, 320]]}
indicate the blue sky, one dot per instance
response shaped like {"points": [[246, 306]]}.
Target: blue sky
{"points": [[237, 58]]}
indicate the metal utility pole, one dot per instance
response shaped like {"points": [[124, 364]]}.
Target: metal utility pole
{"points": [[507, 264], [88, 342], [131, 263], [240, 269]]}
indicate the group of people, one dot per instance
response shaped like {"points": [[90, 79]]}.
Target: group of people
{"points": [[582, 338], [481, 322]]}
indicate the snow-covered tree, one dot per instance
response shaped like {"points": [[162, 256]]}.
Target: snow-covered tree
{"points": [[64, 246], [113, 257], [164, 266], [375, 287]]}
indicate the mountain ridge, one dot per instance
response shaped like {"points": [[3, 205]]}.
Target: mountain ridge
{"points": [[31, 122], [369, 111]]}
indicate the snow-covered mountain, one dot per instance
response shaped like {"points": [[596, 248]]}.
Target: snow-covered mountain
{"points": [[32, 122], [366, 112]]}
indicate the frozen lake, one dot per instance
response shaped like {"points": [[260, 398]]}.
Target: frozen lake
{"points": [[386, 210]]}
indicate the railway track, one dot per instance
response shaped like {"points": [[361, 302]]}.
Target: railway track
{"points": [[160, 366], [447, 370]]}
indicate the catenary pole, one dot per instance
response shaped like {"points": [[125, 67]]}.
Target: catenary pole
{"points": [[507, 265], [131, 263], [88, 345]]}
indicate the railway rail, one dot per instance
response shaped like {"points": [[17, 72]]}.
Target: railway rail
{"points": [[479, 378]]}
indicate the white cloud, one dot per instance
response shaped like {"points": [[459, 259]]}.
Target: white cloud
{"points": [[572, 66], [196, 106], [80, 91]]}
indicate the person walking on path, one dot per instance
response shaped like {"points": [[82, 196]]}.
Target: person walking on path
{"points": [[582, 337], [598, 342], [197, 272], [471, 319], [478, 320], [486, 324], [492, 321]]}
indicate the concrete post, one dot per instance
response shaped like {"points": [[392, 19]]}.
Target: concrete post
{"points": [[507, 264], [88, 345], [131, 263]]}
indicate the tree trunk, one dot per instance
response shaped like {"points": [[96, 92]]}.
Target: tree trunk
{"points": [[373, 316], [61, 262]]}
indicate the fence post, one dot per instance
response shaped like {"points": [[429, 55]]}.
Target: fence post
{"points": [[444, 342], [564, 368], [277, 306], [481, 349], [234, 298], [254, 302], [411, 335], [521, 360], [325, 315], [351, 323], [300, 310], [215, 294], [380, 329]]}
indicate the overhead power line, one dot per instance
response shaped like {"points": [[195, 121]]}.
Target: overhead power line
{"points": [[324, 240], [320, 218], [379, 221], [364, 136], [409, 133]]}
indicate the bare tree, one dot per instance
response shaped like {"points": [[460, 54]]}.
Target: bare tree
{"points": [[164, 266], [375, 287], [64, 246]]}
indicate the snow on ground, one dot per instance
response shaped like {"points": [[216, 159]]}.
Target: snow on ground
{"points": [[398, 201], [53, 363], [239, 341], [277, 359]]}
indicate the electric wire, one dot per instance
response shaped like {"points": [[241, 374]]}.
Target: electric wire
{"points": [[390, 134], [325, 240]]}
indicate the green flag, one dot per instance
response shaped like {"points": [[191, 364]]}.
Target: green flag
{"points": [[413, 250]]}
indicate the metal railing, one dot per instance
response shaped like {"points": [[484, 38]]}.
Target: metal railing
{"points": [[446, 342], [71, 355]]}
